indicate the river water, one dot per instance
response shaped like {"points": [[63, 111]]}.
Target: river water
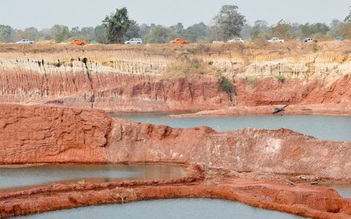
{"points": [[170, 209], [336, 128], [14, 178]]}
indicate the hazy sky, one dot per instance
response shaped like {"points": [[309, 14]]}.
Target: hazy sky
{"points": [[40, 14]]}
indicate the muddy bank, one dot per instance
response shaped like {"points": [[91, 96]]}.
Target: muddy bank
{"points": [[308, 109], [281, 195], [36, 134], [253, 163]]}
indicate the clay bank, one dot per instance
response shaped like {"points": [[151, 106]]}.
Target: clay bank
{"points": [[243, 165], [54, 98], [231, 79]]}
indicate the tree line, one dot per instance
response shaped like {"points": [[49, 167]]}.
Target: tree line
{"points": [[228, 23]]}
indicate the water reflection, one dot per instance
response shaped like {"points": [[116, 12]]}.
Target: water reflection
{"points": [[344, 189], [15, 178], [170, 209]]}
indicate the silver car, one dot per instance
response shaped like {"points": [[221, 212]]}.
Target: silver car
{"points": [[275, 40], [236, 40], [134, 41], [25, 41]]}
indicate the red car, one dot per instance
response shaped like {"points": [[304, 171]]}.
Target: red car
{"points": [[179, 41], [79, 42]]}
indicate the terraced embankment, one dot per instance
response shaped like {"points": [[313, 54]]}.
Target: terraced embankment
{"points": [[236, 165], [313, 78], [171, 78]]}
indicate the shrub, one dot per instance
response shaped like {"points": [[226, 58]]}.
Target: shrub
{"points": [[281, 78], [226, 85], [186, 67], [252, 81], [315, 48]]}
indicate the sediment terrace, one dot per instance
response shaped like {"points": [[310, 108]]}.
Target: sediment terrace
{"points": [[38, 134], [153, 78], [52, 97], [243, 165]]}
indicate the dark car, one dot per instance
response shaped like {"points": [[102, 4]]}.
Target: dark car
{"points": [[309, 40]]}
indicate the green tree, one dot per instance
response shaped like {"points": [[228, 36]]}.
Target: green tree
{"points": [[334, 26], [344, 30], [60, 33], [45, 34], [133, 30], [87, 33], [246, 32], [144, 29], [6, 33], [75, 32], [296, 29], [116, 26], [348, 17], [227, 86], [31, 33], [282, 30], [99, 32], [196, 32], [160, 34], [311, 29], [178, 29], [229, 22], [260, 28]]}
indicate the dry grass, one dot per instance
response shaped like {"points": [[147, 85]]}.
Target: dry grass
{"points": [[249, 48], [175, 61], [187, 67]]}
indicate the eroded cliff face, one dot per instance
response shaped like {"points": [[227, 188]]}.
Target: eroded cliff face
{"points": [[31, 134], [169, 78], [234, 165]]}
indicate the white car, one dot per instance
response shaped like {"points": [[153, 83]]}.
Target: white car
{"points": [[275, 40], [25, 41], [134, 41], [236, 40]]}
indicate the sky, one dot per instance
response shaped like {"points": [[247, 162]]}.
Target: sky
{"points": [[21, 14]]}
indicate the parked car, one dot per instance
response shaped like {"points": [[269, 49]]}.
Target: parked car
{"points": [[79, 42], [134, 41], [236, 40], [339, 38], [309, 40], [179, 41], [25, 41], [275, 40]]}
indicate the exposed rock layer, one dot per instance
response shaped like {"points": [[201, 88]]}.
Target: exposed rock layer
{"points": [[118, 78], [34, 134], [31, 134], [131, 80]]}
